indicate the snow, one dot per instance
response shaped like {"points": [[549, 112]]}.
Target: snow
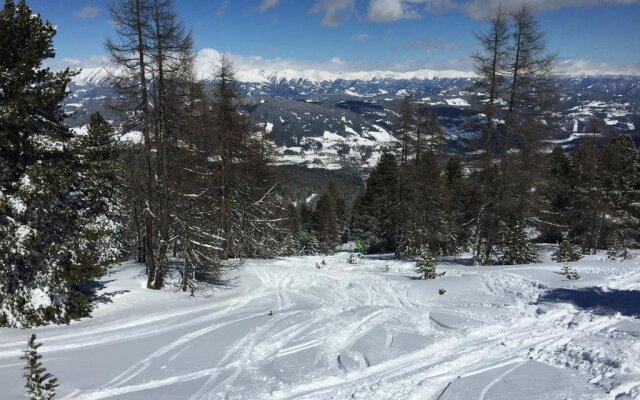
{"points": [[353, 331], [457, 102], [248, 74], [350, 92], [132, 137], [331, 136], [350, 130], [609, 121], [39, 298], [81, 131], [16, 204]]}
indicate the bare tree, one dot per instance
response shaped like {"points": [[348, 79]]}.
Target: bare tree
{"points": [[490, 65], [129, 54]]}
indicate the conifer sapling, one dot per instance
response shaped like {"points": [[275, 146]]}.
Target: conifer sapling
{"points": [[426, 265], [567, 251], [40, 385]]}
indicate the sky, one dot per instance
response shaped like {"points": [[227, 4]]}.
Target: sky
{"points": [[358, 35]]}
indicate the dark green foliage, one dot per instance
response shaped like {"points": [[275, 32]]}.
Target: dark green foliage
{"points": [[589, 202], [593, 195], [621, 182], [618, 250], [515, 247], [40, 385], [46, 246], [103, 216], [328, 218], [557, 196], [376, 209], [567, 251], [426, 265]]}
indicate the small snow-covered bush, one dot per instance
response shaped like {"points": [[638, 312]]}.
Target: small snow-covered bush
{"points": [[571, 273]]}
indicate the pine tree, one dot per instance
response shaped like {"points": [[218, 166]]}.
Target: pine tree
{"points": [[618, 250], [308, 244], [42, 209], [620, 162], [589, 200], [573, 275], [375, 215], [39, 384], [426, 265], [556, 185], [567, 251], [516, 248], [326, 221]]}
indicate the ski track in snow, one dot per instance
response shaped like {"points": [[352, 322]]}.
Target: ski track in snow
{"points": [[345, 331]]}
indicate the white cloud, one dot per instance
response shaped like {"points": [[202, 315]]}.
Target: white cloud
{"points": [[336, 12], [390, 10], [483, 9], [585, 67], [87, 12], [361, 37], [75, 63], [268, 4], [207, 59]]}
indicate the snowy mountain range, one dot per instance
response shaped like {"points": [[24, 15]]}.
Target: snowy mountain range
{"points": [[334, 120]]}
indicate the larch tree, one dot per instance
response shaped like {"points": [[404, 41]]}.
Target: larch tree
{"points": [[490, 65], [129, 53], [524, 82]]}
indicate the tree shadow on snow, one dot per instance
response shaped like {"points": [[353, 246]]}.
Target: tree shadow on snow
{"points": [[93, 288], [456, 260], [625, 302]]}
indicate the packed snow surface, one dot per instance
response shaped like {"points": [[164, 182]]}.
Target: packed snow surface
{"points": [[353, 331]]}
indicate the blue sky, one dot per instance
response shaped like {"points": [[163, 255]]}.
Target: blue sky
{"points": [[363, 34]]}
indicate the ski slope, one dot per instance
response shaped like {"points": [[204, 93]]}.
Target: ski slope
{"points": [[352, 331]]}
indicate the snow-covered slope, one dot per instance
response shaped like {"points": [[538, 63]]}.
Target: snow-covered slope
{"points": [[351, 331], [335, 120]]}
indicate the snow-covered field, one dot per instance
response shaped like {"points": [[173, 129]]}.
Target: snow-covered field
{"points": [[353, 331]]}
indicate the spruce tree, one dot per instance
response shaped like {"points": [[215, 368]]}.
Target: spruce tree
{"points": [[39, 384], [104, 213], [557, 184], [618, 248], [326, 222], [515, 247], [620, 162], [426, 265], [375, 215], [567, 251], [308, 244]]}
